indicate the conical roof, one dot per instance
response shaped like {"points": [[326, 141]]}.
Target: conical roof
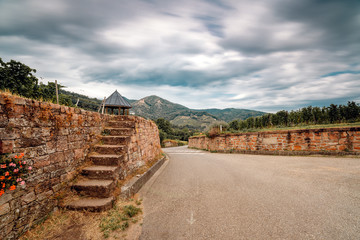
{"points": [[116, 100]]}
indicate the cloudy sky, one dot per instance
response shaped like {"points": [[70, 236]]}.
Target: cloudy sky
{"points": [[257, 54]]}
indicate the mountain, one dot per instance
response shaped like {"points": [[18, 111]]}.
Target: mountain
{"points": [[154, 107], [229, 114]]}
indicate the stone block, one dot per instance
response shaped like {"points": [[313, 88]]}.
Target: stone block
{"points": [[44, 195], [6, 146], [29, 197], [57, 157], [78, 154], [41, 162], [61, 143], [4, 209], [6, 197]]}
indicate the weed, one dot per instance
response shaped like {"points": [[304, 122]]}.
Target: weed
{"points": [[116, 219], [130, 210], [134, 221]]}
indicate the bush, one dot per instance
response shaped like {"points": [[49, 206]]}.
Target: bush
{"points": [[217, 129]]}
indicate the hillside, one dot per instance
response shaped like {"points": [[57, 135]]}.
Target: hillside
{"points": [[229, 114], [154, 107]]}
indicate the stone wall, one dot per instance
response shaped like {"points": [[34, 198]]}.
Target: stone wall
{"points": [[144, 145], [305, 141], [55, 140]]}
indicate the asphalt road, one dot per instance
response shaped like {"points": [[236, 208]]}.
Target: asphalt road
{"points": [[201, 195]]}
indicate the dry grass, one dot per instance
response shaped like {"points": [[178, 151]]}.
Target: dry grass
{"points": [[65, 224]]}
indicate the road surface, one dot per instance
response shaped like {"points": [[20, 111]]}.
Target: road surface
{"points": [[201, 195]]}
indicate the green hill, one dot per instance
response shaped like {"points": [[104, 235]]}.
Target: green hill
{"points": [[229, 114], [154, 107]]}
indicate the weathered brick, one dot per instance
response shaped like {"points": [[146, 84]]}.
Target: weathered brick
{"points": [[79, 154], [295, 140], [6, 146], [29, 197], [42, 161], [4, 209]]}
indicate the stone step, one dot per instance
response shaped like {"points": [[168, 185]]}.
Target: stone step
{"points": [[94, 188], [115, 140], [92, 204], [120, 131], [101, 172], [110, 149], [123, 118], [121, 124], [107, 160]]}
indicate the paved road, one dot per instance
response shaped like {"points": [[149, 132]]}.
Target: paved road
{"points": [[201, 195]]}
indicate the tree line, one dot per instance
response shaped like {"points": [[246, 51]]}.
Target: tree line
{"points": [[169, 131], [19, 79], [304, 116]]}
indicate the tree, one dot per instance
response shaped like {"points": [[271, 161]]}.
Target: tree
{"points": [[19, 79], [234, 125], [333, 113], [352, 111], [164, 125]]}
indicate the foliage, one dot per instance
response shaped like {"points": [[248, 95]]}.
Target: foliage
{"points": [[19, 79], [91, 104], [169, 131], [173, 143], [216, 129], [229, 114], [13, 171], [131, 210], [116, 219], [304, 116]]}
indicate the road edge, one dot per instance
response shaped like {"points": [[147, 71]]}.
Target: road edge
{"points": [[135, 184]]}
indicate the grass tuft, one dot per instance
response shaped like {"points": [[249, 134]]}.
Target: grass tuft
{"points": [[117, 219]]}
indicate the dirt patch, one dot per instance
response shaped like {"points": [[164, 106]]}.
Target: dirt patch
{"points": [[65, 224]]}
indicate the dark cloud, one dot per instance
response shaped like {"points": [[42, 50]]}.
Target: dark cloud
{"points": [[212, 24], [220, 4], [336, 21], [266, 54]]}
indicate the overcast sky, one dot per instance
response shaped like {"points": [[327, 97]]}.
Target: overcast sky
{"points": [[256, 54]]}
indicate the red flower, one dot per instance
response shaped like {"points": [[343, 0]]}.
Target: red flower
{"points": [[7, 174], [12, 188], [2, 177]]}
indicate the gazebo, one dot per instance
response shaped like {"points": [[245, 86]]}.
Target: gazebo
{"points": [[116, 101]]}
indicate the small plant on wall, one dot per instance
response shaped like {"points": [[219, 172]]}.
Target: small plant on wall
{"points": [[13, 171]]}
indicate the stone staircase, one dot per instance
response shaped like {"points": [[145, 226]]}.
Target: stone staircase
{"points": [[99, 180]]}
